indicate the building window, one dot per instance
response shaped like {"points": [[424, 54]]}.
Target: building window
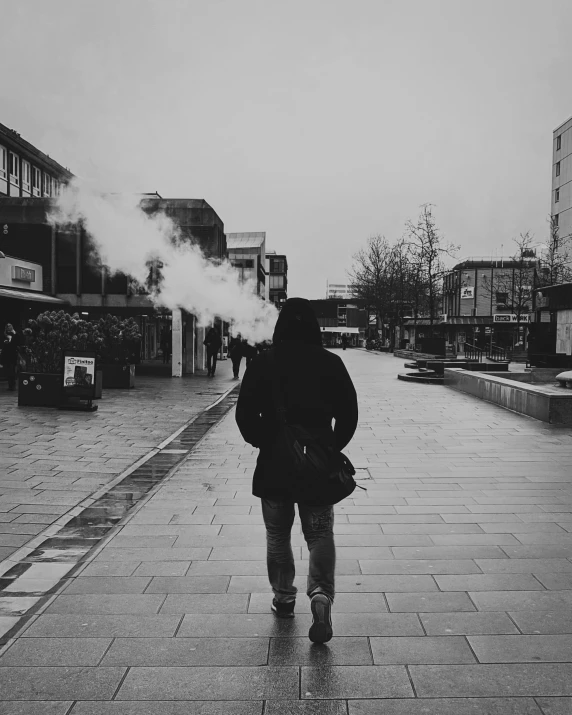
{"points": [[47, 185], [276, 265], [36, 181], [14, 169], [558, 142], [557, 196], [556, 219], [3, 163], [26, 175], [557, 168], [501, 299], [277, 282]]}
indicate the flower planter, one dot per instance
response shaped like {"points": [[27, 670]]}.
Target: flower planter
{"points": [[120, 377], [39, 389]]}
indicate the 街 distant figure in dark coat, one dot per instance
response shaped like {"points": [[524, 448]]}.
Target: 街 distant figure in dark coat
{"points": [[212, 342], [315, 388], [10, 354], [236, 353]]}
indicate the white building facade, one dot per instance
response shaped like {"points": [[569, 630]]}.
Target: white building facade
{"points": [[561, 203]]}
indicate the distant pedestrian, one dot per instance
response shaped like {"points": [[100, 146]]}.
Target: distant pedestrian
{"points": [[249, 351], [344, 342], [10, 355], [235, 352], [298, 383], [213, 343], [166, 344]]}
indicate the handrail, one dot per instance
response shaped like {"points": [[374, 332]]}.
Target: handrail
{"points": [[496, 353], [472, 352]]}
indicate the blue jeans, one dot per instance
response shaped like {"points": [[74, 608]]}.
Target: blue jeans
{"points": [[318, 529]]}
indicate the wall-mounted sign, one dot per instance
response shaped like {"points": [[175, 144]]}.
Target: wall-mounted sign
{"points": [[468, 292], [510, 318], [27, 275]]}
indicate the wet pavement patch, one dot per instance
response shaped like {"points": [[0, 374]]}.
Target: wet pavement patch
{"points": [[40, 571]]}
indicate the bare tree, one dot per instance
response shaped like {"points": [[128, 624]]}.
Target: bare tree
{"points": [[513, 285], [369, 275], [556, 261], [426, 251]]}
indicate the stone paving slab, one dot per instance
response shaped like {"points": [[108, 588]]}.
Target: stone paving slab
{"points": [[454, 578], [50, 460]]}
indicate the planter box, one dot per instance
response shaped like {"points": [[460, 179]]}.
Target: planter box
{"points": [[118, 377], [37, 389]]}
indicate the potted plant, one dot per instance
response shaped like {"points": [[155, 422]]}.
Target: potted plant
{"points": [[119, 350], [47, 336]]}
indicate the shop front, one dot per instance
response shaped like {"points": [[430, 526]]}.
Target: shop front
{"points": [[332, 337]]}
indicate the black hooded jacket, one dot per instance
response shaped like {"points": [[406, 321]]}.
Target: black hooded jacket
{"points": [[315, 389]]}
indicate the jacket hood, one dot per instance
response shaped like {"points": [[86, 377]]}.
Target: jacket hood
{"points": [[297, 321]]}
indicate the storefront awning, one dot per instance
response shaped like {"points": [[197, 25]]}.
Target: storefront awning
{"points": [[30, 297], [340, 330]]}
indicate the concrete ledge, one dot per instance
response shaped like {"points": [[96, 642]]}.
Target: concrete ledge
{"points": [[543, 402], [417, 356]]}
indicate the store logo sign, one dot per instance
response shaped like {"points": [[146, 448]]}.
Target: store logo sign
{"points": [[27, 275]]}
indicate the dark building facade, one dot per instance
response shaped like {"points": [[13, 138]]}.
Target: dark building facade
{"points": [[72, 273], [26, 171], [277, 268], [338, 317]]}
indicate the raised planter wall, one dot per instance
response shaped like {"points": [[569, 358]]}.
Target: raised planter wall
{"points": [[543, 402], [39, 389], [118, 376], [417, 356]]}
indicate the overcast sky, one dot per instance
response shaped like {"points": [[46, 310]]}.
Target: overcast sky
{"points": [[321, 122]]}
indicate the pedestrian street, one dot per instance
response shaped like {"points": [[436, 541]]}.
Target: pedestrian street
{"points": [[454, 580]]}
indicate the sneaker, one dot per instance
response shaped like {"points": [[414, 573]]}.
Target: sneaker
{"points": [[321, 629], [283, 610]]}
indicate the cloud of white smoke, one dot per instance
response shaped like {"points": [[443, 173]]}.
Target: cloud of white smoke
{"points": [[126, 239]]}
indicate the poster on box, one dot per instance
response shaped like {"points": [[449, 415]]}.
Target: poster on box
{"points": [[79, 374]]}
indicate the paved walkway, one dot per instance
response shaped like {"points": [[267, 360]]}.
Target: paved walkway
{"points": [[51, 460], [454, 581]]}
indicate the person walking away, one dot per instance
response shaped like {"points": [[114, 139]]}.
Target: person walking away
{"points": [[235, 353], [344, 342], [10, 354], [313, 388], [213, 343], [249, 351]]}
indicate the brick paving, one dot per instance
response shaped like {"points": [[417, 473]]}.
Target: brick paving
{"points": [[454, 581], [51, 460]]}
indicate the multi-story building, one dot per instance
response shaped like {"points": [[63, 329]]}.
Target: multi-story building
{"points": [[339, 290], [561, 201], [487, 301], [277, 272], [25, 170], [72, 274], [247, 253], [338, 317]]}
